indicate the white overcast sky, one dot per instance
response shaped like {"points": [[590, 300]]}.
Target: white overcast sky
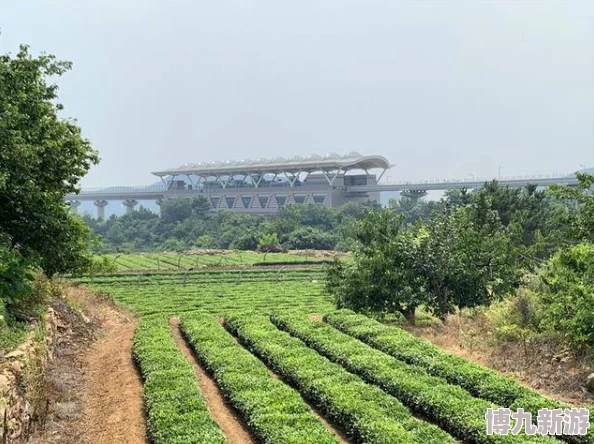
{"points": [[441, 88]]}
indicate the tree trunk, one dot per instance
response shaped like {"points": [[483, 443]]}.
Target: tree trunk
{"points": [[409, 314]]}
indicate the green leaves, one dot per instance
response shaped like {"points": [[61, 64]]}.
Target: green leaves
{"points": [[447, 262], [176, 411], [367, 413], [42, 157], [273, 411], [451, 407]]}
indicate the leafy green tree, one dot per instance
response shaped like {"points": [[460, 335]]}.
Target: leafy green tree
{"points": [[269, 243], [458, 264], [176, 210], [382, 279], [579, 214], [42, 157], [445, 263], [308, 238], [200, 206], [568, 299]]}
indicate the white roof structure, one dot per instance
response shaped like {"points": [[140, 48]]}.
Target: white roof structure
{"points": [[294, 165]]}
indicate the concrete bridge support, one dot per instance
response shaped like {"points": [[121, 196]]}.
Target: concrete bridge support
{"points": [[74, 204], [130, 204], [101, 204], [413, 194]]}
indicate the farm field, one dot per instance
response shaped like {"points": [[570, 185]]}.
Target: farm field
{"points": [[294, 378], [204, 259]]}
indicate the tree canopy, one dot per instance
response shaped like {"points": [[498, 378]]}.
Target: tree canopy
{"points": [[42, 157]]}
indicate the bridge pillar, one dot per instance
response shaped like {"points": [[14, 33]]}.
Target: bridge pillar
{"points": [[130, 204], [74, 204], [413, 194], [101, 204], [159, 202]]}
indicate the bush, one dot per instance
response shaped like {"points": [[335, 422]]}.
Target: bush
{"points": [[274, 412], [176, 411], [365, 412], [269, 244], [568, 297], [453, 408], [308, 238]]}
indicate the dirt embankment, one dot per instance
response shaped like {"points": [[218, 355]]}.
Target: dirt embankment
{"points": [[94, 392]]}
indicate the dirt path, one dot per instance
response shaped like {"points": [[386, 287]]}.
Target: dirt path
{"points": [[113, 410], [94, 394], [227, 419]]}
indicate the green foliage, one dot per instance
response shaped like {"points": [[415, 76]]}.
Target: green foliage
{"points": [[568, 298], [215, 292], [453, 408], [579, 216], [269, 243], [42, 157], [478, 380], [16, 279], [445, 263], [176, 411], [308, 238], [274, 412], [186, 223], [366, 413]]}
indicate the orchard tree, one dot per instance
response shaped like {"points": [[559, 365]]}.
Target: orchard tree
{"points": [[459, 264], [42, 157], [382, 279], [445, 263]]}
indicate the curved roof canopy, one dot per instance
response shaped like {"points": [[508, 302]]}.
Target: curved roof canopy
{"points": [[330, 162]]}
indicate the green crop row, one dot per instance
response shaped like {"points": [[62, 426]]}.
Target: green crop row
{"points": [[219, 298], [176, 411], [153, 261], [449, 406], [365, 412], [273, 411], [204, 276], [478, 380]]}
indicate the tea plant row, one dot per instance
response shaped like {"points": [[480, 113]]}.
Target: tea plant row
{"points": [[452, 407]]}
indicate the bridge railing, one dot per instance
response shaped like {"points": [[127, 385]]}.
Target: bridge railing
{"points": [[472, 179]]}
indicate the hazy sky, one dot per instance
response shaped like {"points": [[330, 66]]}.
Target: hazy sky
{"points": [[441, 88]]}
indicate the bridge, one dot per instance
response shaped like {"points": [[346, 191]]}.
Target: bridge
{"points": [[265, 185]]}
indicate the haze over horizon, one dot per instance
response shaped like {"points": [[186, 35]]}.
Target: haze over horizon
{"points": [[441, 89]]}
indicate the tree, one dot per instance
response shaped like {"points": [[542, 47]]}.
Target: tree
{"points": [[308, 238], [568, 298], [42, 157], [269, 244], [176, 210], [459, 264], [445, 263], [580, 218], [382, 279], [200, 206]]}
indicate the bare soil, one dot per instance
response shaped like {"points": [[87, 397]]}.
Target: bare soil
{"points": [[223, 414], [94, 393]]}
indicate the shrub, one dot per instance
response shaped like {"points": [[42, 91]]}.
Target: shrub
{"points": [[365, 412], [274, 412], [176, 411], [450, 406]]}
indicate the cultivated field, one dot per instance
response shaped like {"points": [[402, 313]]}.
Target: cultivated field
{"points": [[206, 258], [292, 377]]}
